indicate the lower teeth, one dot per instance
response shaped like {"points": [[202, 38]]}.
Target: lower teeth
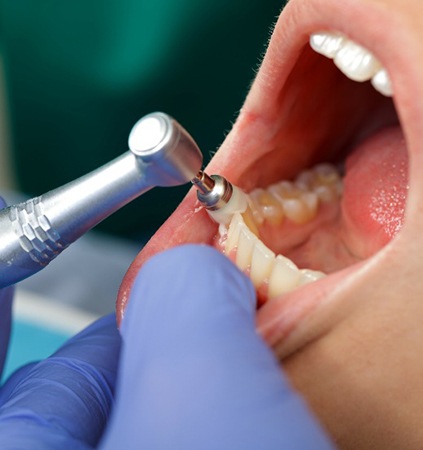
{"points": [[296, 201]]}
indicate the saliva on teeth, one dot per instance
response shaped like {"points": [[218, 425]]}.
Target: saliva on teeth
{"points": [[241, 215]]}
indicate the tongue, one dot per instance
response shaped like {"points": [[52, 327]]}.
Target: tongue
{"points": [[375, 192]]}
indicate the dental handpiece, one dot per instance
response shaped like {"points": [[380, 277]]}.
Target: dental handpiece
{"points": [[220, 198], [34, 232]]}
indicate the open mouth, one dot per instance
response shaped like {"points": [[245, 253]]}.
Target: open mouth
{"points": [[324, 146]]}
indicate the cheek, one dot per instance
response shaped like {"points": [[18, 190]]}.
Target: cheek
{"points": [[364, 378]]}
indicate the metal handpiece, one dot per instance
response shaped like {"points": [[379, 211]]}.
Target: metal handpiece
{"points": [[33, 233], [220, 198], [214, 192]]}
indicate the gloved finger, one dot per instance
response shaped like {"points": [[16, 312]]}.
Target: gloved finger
{"points": [[194, 373], [64, 401], [6, 297]]}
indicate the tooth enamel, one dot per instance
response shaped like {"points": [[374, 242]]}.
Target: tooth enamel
{"points": [[325, 193], [296, 210], [248, 219], [261, 263], [305, 180], [245, 248], [326, 173], [279, 272], [271, 209], [311, 201], [233, 233], [326, 44], [308, 276], [382, 83], [356, 62], [285, 190], [254, 204], [284, 277], [298, 200]]}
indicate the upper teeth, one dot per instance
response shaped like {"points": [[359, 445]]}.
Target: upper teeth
{"points": [[356, 62]]}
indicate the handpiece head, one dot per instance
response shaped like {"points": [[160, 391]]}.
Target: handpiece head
{"points": [[214, 192], [220, 198], [166, 148]]}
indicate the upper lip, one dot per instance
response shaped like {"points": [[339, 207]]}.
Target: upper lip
{"points": [[366, 23]]}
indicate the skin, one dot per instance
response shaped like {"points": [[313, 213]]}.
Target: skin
{"points": [[351, 343]]}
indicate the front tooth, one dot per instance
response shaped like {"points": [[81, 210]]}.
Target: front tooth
{"points": [[382, 83], [233, 233], [284, 277], [261, 263], [326, 44], [245, 248], [356, 62]]}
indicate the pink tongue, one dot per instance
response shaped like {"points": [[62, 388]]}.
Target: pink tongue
{"points": [[375, 192]]}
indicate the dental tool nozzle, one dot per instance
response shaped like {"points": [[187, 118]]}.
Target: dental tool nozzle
{"points": [[213, 192], [33, 233], [220, 198]]}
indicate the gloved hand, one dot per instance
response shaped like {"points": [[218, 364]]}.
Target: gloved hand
{"points": [[193, 373], [64, 401]]}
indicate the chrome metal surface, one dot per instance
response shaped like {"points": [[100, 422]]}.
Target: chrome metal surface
{"points": [[33, 233]]}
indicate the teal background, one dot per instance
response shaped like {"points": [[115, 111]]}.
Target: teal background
{"points": [[80, 73], [30, 342]]}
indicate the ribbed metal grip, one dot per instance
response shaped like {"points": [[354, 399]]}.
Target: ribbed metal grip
{"points": [[35, 233]]}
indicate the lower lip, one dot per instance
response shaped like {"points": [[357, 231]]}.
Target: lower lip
{"points": [[294, 320]]}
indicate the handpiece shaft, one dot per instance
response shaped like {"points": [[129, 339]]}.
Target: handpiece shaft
{"points": [[36, 231]]}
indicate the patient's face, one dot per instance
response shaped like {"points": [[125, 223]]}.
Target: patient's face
{"points": [[344, 312]]}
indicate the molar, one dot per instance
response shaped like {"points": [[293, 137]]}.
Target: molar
{"points": [[356, 62], [265, 207], [298, 201], [297, 211]]}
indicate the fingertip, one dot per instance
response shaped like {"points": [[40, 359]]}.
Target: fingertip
{"points": [[189, 277]]}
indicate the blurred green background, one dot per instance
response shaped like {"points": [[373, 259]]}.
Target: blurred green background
{"points": [[78, 74]]}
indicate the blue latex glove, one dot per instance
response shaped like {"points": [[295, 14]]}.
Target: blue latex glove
{"points": [[64, 401], [194, 374]]}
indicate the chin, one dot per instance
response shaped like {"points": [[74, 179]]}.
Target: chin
{"points": [[328, 147]]}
